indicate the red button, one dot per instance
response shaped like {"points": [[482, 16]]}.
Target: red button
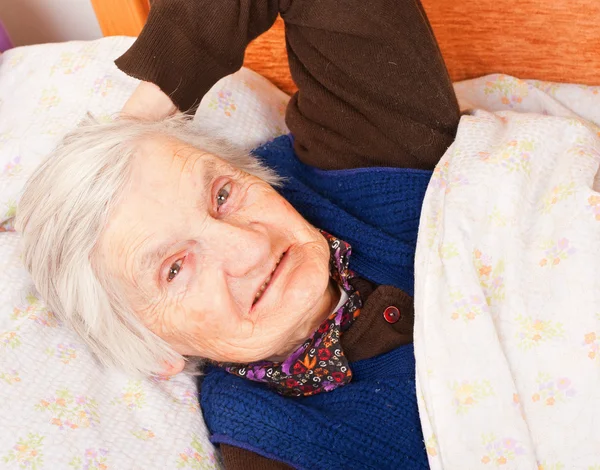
{"points": [[391, 314]]}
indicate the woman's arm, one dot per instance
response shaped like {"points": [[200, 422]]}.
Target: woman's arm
{"points": [[373, 87], [148, 102], [187, 46]]}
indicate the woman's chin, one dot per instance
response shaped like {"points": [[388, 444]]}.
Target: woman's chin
{"points": [[292, 306]]}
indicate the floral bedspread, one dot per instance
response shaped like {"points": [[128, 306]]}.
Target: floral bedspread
{"points": [[507, 334]]}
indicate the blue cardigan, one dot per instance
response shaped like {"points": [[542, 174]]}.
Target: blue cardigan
{"points": [[373, 422]]}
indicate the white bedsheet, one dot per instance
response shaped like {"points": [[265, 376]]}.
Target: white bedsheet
{"points": [[507, 333]]}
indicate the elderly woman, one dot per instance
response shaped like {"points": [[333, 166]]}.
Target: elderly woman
{"points": [[161, 244]]}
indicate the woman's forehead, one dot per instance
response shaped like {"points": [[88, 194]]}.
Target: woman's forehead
{"points": [[157, 153], [162, 161]]}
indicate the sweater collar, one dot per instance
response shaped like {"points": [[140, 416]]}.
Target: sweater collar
{"points": [[319, 364]]}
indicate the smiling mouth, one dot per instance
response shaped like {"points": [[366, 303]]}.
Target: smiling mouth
{"points": [[263, 288]]}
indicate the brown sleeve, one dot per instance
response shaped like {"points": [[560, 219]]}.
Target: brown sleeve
{"points": [[186, 46], [235, 458], [373, 88]]}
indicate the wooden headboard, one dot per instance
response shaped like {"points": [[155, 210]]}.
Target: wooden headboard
{"points": [[554, 40]]}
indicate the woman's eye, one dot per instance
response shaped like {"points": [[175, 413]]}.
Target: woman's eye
{"points": [[223, 194], [174, 269]]}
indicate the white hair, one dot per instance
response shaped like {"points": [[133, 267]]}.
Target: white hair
{"points": [[61, 215]]}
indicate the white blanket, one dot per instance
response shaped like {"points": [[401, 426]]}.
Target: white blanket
{"points": [[507, 334]]}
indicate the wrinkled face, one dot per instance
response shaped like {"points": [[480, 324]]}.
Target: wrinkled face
{"points": [[214, 260]]}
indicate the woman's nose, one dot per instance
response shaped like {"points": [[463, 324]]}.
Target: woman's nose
{"points": [[241, 250]]}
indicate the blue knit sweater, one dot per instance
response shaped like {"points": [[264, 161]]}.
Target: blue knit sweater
{"points": [[370, 424], [373, 422]]}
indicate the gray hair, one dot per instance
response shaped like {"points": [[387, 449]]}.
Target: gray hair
{"points": [[61, 215]]}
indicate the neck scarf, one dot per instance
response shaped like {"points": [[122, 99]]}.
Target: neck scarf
{"points": [[319, 364]]}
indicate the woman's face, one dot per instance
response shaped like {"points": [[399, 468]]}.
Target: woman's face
{"points": [[214, 260]]}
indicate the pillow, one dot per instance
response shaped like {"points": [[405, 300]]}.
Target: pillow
{"points": [[59, 408]]}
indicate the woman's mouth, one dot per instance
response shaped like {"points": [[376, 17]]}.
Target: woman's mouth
{"points": [[265, 284]]}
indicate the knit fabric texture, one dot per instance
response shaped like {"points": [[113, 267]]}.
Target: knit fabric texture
{"points": [[376, 210], [371, 423]]}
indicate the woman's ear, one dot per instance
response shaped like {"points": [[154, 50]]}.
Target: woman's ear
{"points": [[172, 368]]}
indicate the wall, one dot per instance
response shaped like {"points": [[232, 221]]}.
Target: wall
{"points": [[40, 21]]}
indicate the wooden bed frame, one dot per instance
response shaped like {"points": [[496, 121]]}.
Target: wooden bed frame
{"points": [[554, 40]]}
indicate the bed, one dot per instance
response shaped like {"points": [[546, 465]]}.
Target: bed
{"points": [[59, 408]]}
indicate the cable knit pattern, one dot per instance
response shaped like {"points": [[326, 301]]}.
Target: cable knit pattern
{"points": [[372, 423], [376, 210]]}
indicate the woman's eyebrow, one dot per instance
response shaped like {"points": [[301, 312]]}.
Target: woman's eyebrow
{"points": [[210, 173], [154, 256]]}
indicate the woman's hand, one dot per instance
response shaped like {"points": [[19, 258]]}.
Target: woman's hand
{"points": [[148, 102]]}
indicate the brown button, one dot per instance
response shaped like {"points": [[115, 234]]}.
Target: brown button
{"points": [[391, 314]]}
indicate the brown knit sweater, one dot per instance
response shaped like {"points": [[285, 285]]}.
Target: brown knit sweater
{"points": [[373, 91]]}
